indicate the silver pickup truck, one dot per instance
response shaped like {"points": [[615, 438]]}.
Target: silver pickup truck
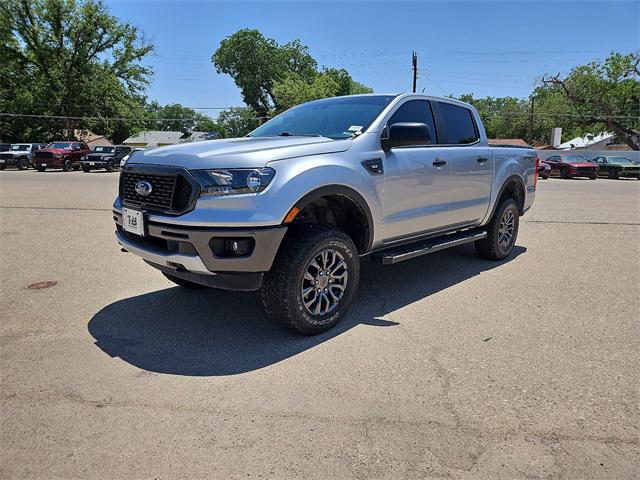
{"points": [[292, 208]]}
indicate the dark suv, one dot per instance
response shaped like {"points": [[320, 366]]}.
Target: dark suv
{"points": [[107, 157]]}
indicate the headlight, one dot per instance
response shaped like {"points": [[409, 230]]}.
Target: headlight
{"points": [[233, 181], [83, 158]]}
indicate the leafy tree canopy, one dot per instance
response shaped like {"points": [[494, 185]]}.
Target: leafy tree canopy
{"points": [[237, 122], [276, 77], [603, 94], [70, 58]]}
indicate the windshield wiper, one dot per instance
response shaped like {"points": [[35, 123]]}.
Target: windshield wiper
{"points": [[287, 134]]}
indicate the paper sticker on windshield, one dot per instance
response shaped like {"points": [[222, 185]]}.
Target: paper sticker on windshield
{"points": [[355, 128]]}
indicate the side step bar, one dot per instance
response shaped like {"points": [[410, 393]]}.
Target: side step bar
{"points": [[405, 252]]}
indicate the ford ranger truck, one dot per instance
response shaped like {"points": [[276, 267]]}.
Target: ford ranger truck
{"points": [[295, 206]]}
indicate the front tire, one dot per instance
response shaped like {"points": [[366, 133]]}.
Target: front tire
{"points": [[564, 173], [613, 174], [182, 282], [66, 165], [313, 279], [502, 231], [41, 169], [109, 167], [23, 164], [85, 169]]}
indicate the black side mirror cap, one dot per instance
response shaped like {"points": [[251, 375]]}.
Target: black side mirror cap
{"points": [[407, 134]]}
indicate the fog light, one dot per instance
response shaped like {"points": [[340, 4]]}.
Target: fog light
{"points": [[238, 246]]}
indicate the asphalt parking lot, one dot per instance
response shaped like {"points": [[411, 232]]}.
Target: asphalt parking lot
{"points": [[447, 366]]}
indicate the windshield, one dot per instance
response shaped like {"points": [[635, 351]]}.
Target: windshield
{"points": [[622, 160], [64, 146], [20, 148], [573, 159], [104, 149], [122, 150], [338, 117]]}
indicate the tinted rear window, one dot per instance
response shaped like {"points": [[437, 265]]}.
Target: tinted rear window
{"points": [[459, 124], [415, 111]]}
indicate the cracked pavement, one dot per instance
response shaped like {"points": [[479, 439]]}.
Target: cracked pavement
{"points": [[448, 366]]}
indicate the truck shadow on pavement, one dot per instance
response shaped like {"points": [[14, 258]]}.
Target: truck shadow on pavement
{"points": [[213, 332]]}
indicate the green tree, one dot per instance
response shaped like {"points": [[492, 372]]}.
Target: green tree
{"points": [[237, 122], [602, 94], [275, 77], [181, 117], [68, 58], [502, 117], [256, 63]]}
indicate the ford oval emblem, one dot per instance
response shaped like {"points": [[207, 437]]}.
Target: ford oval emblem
{"points": [[143, 188]]}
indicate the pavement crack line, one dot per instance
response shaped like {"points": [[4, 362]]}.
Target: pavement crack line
{"points": [[59, 208], [580, 222]]}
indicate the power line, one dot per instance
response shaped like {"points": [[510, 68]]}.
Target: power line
{"points": [[492, 112]]}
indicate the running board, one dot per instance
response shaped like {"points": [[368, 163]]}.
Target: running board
{"points": [[405, 252]]}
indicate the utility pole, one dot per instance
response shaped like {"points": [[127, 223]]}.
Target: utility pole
{"points": [[531, 120], [414, 62]]}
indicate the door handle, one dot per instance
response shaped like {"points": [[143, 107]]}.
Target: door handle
{"points": [[439, 163], [482, 159]]}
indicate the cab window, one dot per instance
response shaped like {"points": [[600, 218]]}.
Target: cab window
{"points": [[459, 124]]}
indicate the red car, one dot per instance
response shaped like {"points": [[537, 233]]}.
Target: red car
{"points": [[569, 166], [64, 155]]}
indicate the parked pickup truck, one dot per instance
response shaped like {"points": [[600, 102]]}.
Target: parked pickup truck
{"points": [[64, 155], [107, 157], [293, 208], [19, 155]]}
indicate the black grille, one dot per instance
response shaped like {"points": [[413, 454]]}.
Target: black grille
{"points": [[98, 158], [587, 170], [44, 155], [6, 156], [171, 192]]}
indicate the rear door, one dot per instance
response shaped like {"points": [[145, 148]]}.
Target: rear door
{"points": [[471, 164], [415, 180]]}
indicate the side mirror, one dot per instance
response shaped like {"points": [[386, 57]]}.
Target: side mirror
{"points": [[406, 134]]}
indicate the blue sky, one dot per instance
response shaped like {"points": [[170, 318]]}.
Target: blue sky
{"points": [[484, 48]]}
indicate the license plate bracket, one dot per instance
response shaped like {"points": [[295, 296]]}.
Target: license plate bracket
{"points": [[133, 221]]}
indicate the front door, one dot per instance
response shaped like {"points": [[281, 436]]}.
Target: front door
{"points": [[416, 180]]}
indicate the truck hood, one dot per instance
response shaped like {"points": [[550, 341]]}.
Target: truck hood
{"points": [[238, 152], [59, 151]]}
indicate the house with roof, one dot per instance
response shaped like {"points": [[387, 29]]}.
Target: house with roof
{"points": [[589, 141], [508, 141], [158, 138]]}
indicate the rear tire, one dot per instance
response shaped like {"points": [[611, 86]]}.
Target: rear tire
{"points": [[313, 279], [66, 165], [593, 177], [502, 231], [182, 282]]}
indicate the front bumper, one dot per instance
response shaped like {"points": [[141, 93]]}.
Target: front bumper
{"points": [[48, 162], [90, 164], [184, 248]]}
